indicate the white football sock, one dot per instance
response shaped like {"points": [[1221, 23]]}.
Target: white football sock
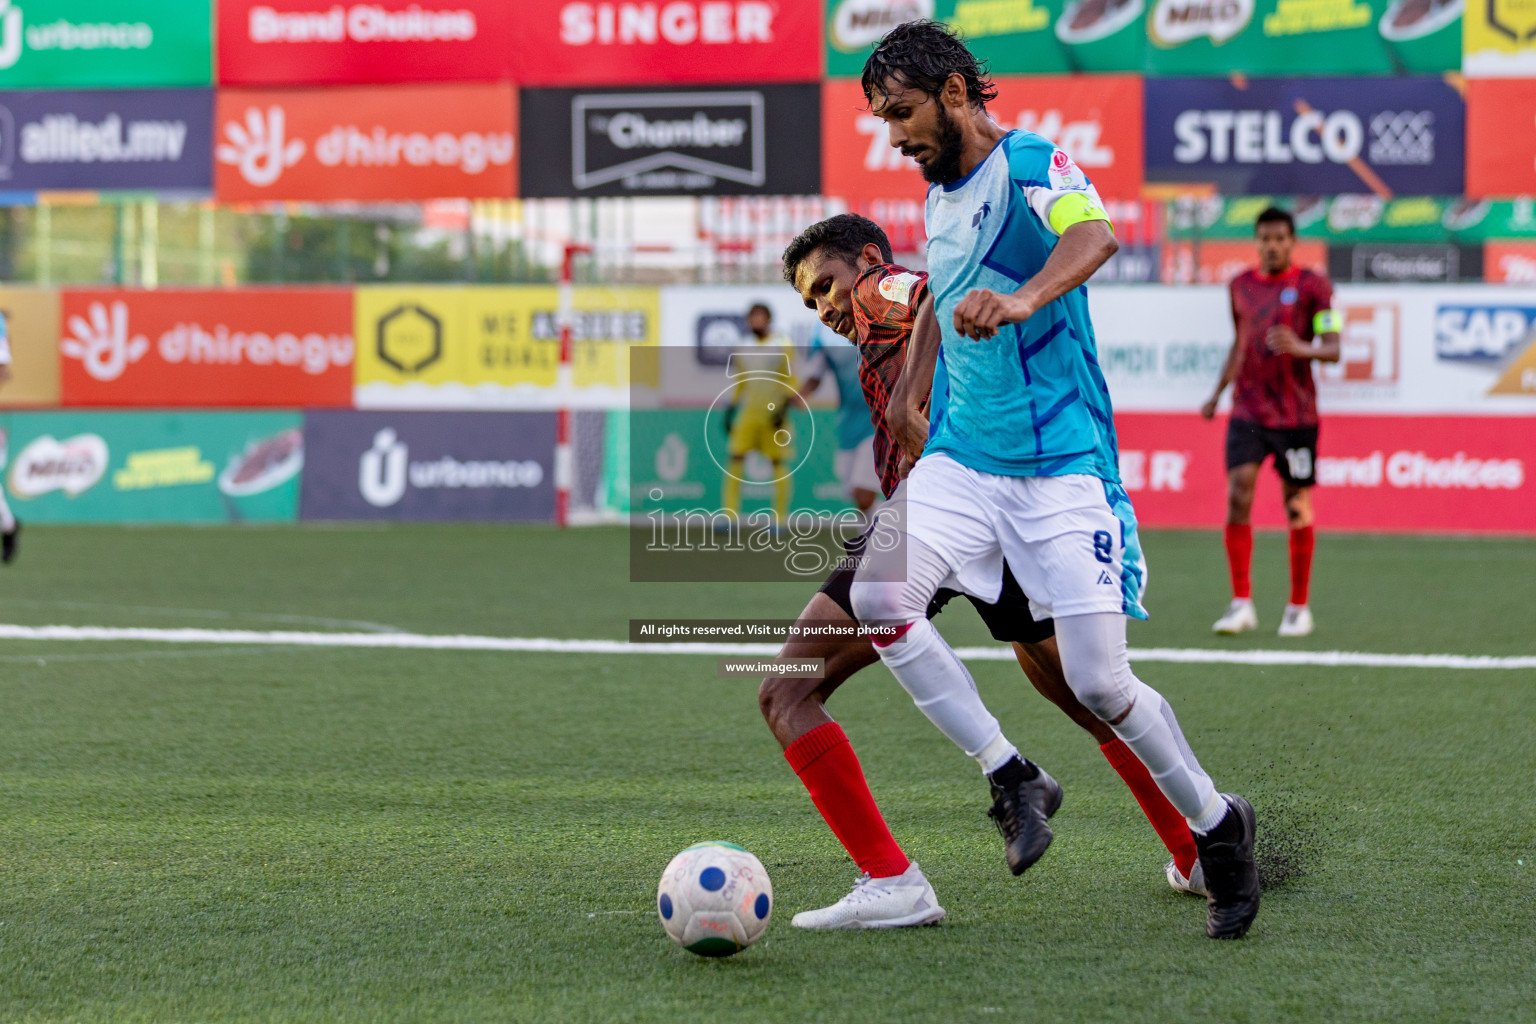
{"points": [[1154, 736], [920, 660], [1095, 662], [944, 691]]}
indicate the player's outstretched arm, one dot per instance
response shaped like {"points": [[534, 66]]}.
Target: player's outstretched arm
{"points": [[904, 414], [1081, 250]]}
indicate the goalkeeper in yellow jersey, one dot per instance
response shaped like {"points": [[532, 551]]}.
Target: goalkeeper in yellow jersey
{"points": [[758, 418]]}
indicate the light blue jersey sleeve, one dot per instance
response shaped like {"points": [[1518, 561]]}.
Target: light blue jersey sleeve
{"points": [[1056, 189], [1030, 401]]}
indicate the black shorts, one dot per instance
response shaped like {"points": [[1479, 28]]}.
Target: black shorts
{"points": [[1294, 449], [1008, 620]]}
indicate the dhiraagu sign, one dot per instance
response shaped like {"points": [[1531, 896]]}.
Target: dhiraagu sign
{"points": [[48, 43]]}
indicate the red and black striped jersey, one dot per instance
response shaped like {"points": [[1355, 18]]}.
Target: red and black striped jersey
{"points": [[1276, 391], [886, 298]]}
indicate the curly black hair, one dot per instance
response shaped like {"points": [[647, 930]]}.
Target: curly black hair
{"points": [[922, 55], [843, 236]]}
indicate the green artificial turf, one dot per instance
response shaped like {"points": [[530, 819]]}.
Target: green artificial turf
{"points": [[234, 833]]}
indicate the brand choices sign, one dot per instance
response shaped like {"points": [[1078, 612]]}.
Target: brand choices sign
{"points": [[1399, 474], [207, 348], [742, 140], [601, 42], [1307, 136], [119, 139], [51, 43], [561, 42], [283, 42], [1097, 120], [429, 465], [406, 142]]}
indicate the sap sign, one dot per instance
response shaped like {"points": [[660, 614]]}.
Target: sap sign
{"points": [[1307, 136], [1482, 333]]}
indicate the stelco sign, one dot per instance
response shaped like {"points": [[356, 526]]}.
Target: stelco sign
{"points": [[1307, 135]]}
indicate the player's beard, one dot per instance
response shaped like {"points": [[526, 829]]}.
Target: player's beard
{"points": [[945, 165]]}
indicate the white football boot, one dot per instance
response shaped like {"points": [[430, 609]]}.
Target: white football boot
{"points": [[1194, 884], [1297, 621], [1239, 618], [900, 902]]}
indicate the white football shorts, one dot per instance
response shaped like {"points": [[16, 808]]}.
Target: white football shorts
{"points": [[856, 467], [1071, 540]]}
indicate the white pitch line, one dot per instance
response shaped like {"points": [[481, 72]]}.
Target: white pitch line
{"points": [[544, 645]]}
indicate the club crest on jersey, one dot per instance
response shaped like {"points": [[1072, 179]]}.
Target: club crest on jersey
{"points": [[1288, 297], [898, 288], [1064, 174], [981, 215]]}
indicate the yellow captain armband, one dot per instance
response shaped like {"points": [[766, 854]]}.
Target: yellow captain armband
{"points": [[1327, 321], [1076, 208]]}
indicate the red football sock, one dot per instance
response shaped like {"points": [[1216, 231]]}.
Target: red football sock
{"points": [[826, 764], [1303, 539], [1171, 827], [1239, 557]]}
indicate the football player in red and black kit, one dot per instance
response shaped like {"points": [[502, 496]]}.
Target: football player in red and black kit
{"points": [[1285, 322], [842, 268]]}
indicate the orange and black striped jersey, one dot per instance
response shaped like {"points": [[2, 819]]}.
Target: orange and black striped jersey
{"points": [[886, 298]]}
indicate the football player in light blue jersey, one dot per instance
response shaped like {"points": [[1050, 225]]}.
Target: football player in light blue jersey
{"points": [[1021, 458]]}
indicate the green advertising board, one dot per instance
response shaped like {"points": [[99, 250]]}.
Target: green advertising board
{"points": [[676, 464], [1359, 218], [1170, 37], [1018, 37], [1013, 36], [136, 467], [1302, 37], [90, 43]]}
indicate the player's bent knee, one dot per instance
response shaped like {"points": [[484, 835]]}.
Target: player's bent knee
{"points": [[778, 696], [1095, 666], [878, 601]]}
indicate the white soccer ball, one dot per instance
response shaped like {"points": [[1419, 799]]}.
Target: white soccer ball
{"points": [[714, 899]]}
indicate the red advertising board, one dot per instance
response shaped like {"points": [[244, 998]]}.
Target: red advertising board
{"points": [[313, 42], [1217, 262], [366, 143], [621, 42], [1097, 119], [1509, 262], [1396, 474], [1501, 136], [274, 347]]}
